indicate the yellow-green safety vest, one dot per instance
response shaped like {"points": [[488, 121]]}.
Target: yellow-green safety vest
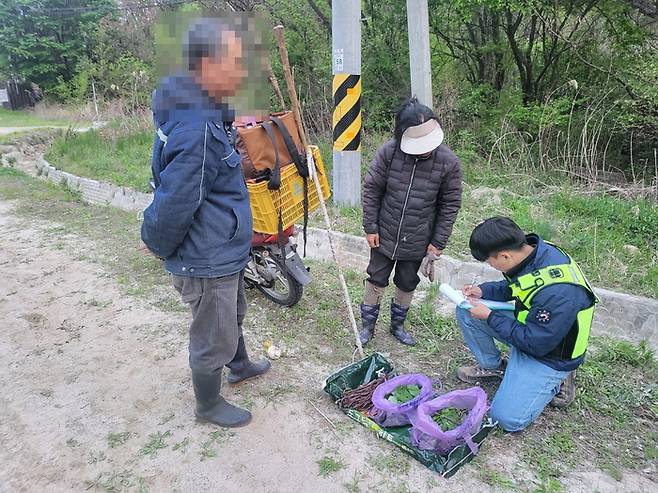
{"points": [[525, 287]]}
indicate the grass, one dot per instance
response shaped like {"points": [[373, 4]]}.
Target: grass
{"points": [[208, 450], [182, 445], [329, 465], [119, 157], [587, 226], [111, 230], [9, 118], [391, 462], [610, 426], [157, 441], [113, 482], [117, 439], [496, 480]]}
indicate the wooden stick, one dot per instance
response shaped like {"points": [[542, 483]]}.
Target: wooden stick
{"points": [[296, 108], [275, 84], [292, 91]]}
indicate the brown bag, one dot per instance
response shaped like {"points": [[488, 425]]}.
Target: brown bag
{"points": [[256, 148]]}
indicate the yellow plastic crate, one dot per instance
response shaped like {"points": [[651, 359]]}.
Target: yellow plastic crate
{"points": [[265, 203]]}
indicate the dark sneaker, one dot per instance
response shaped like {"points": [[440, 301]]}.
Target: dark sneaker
{"points": [[567, 393], [476, 374]]}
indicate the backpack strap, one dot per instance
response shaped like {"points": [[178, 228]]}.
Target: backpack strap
{"points": [[275, 179], [301, 165]]}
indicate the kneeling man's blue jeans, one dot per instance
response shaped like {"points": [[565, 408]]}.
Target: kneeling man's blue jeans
{"points": [[528, 385]]}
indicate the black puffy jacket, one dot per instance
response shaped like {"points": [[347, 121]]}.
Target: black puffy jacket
{"points": [[411, 202]]}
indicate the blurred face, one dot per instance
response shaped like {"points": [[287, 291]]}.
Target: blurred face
{"points": [[223, 74]]}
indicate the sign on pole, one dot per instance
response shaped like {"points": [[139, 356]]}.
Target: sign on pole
{"points": [[346, 89]]}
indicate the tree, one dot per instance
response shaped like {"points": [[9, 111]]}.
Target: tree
{"points": [[543, 39], [43, 41]]}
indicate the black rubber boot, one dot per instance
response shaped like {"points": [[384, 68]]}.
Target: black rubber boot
{"points": [[398, 316], [212, 407], [369, 315], [242, 368]]}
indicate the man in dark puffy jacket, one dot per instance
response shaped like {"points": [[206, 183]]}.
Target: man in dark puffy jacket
{"points": [[411, 197], [200, 219]]}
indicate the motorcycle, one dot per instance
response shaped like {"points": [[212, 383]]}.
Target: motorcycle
{"points": [[276, 269]]}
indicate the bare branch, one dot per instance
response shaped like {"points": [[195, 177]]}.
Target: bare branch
{"points": [[323, 18]]}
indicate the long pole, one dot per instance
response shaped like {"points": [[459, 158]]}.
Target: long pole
{"points": [[346, 54], [297, 111], [419, 51], [275, 84]]}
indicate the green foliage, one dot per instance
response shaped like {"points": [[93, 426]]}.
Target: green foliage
{"points": [[10, 118], [44, 41], [641, 225], [157, 441], [449, 418], [404, 393], [639, 356], [329, 465], [534, 118], [384, 59], [611, 385], [122, 157]]}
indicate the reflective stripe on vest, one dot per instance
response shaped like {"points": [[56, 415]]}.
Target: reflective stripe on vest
{"points": [[527, 286]]}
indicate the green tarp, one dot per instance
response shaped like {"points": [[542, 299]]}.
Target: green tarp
{"points": [[367, 370]]}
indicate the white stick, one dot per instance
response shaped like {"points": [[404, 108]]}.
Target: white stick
{"points": [[297, 111], [343, 284], [333, 426]]}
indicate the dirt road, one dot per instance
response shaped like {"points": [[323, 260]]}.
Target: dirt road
{"points": [[83, 363], [96, 395]]}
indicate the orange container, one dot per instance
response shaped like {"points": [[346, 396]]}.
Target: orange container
{"points": [[266, 203]]}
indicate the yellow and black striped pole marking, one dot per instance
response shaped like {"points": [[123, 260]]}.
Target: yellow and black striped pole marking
{"points": [[347, 112]]}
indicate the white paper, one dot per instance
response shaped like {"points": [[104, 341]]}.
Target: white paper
{"points": [[458, 299]]}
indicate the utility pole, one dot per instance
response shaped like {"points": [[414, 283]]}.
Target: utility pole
{"points": [[419, 51], [346, 61]]}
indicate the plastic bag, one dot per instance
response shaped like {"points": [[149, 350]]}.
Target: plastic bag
{"points": [[386, 413], [426, 434]]}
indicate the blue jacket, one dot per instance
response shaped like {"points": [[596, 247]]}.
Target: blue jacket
{"points": [[200, 218], [561, 302]]}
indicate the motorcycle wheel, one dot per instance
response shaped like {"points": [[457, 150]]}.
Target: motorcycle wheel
{"points": [[284, 290]]}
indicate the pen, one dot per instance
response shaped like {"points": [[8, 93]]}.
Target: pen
{"points": [[475, 278]]}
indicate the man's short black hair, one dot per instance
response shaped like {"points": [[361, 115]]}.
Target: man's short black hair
{"points": [[495, 235]]}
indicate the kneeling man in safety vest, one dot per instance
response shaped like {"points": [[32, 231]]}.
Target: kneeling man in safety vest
{"points": [[547, 332]]}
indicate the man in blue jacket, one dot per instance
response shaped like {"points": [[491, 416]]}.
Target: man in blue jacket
{"points": [[548, 331], [200, 221]]}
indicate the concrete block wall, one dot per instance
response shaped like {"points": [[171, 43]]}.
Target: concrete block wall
{"points": [[619, 315]]}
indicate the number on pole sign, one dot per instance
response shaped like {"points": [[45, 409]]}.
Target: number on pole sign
{"points": [[339, 60]]}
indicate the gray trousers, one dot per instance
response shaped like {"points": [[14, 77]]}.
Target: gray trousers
{"points": [[218, 309]]}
